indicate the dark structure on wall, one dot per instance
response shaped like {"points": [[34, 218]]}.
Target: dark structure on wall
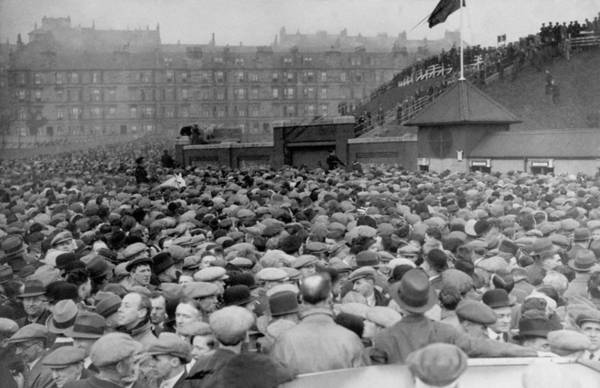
{"points": [[308, 145]]}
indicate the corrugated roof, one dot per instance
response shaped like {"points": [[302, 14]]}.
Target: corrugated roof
{"points": [[555, 143], [463, 103]]}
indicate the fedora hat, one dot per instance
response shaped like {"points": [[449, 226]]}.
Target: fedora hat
{"points": [[63, 316], [87, 325], [584, 260], [33, 288], [414, 292], [12, 246]]}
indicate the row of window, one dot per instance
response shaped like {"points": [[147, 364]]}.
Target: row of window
{"points": [[170, 111], [172, 76], [94, 129], [182, 94]]}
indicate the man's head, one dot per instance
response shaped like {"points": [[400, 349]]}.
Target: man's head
{"points": [[159, 309], [187, 311], [30, 342], [34, 298], [66, 363], [589, 324], [134, 309], [169, 355], [499, 300], [117, 355], [316, 289], [140, 274], [231, 324], [64, 242]]}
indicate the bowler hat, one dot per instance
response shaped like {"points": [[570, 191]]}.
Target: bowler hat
{"points": [[60, 290], [137, 262], [237, 295], [161, 262], [99, 267], [497, 298], [414, 293], [64, 259], [282, 303], [367, 258]]}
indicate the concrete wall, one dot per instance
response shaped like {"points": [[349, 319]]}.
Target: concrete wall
{"points": [[384, 150], [448, 164], [573, 166], [561, 166], [443, 142], [234, 155], [505, 165]]}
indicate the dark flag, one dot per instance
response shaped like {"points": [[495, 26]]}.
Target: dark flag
{"points": [[443, 10]]}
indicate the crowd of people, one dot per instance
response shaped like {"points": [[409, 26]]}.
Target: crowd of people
{"points": [[250, 278], [537, 50]]}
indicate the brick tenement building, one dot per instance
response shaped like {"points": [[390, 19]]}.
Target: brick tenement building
{"points": [[69, 82]]}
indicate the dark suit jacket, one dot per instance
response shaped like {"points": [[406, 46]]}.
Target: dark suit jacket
{"points": [[39, 376], [203, 371], [91, 382], [41, 319]]}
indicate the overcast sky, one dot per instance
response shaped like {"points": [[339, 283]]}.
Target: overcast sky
{"points": [[256, 22]]}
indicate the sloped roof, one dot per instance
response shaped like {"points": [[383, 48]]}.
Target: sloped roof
{"points": [[463, 103], [554, 143]]}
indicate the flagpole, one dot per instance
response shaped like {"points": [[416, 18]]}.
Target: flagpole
{"points": [[462, 59]]}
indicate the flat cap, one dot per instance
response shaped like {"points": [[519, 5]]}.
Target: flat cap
{"points": [[230, 324], [304, 261], [30, 332], [242, 262], [383, 316], [211, 274], [194, 328], [8, 326], [456, 278], [568, 341], [196, 290], [134, 249], [354, 308], [477, 312], [362, 272], [112, 348], [588, 315], [63, 357], [61, 237], [271, 275], [437, 364], [171, 344]]}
